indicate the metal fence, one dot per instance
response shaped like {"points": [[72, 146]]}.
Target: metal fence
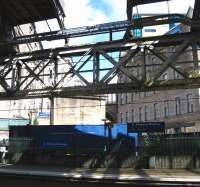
{"points": [[17, 148], [172, 145], [114, 155]]}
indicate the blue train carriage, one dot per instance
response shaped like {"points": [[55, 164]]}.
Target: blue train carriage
{"points": [[78, 138]]}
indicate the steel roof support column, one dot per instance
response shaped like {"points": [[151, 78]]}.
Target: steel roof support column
{"points": [[19, 74], [96, 67], [13, 77], [59, 13], [3, 73], [195, 57], [51, 110], [144, 72], [129, 9], [196, 15], [55, 70]]}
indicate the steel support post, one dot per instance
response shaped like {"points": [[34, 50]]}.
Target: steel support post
{"points": [[195, 57], [110, 35], [19, 71], [144, 64], [96, 67], [55, 70], [13, 77], [51, 110]]}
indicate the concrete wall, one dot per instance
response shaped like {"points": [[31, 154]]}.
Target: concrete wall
{"points": [[79, 111], [175, 162]]}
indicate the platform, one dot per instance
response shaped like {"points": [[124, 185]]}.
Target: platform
{"points": [[120, 175]]}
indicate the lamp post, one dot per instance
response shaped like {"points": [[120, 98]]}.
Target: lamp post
{"points": [[108, 125]]}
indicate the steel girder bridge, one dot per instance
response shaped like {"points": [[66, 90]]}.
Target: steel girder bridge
{"points": [[95, 68]]}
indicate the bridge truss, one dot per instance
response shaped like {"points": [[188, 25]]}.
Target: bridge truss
{"points": [[95, 68]]}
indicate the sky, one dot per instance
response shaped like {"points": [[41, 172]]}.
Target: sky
{"points": [[90, 12]]}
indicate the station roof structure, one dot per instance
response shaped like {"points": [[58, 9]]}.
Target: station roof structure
{"points": [[19, 12], [196, 13]]}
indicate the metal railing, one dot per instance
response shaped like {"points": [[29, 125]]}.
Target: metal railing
{"points": [[118, 154]]}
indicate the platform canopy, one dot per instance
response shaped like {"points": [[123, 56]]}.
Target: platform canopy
{"points": [[196, 13], [19, 12]]}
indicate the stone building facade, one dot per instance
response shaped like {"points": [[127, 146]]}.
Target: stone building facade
{"points": [[179, 109]]}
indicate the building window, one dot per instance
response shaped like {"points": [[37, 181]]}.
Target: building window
{"points": [[165, 76], [132, 97], [166, 108], [121, 99], [146, 113], [120, 79], [178, 105], [127, 117], [51, 74], [132, 115], [121, 117], [140, 94], [40, 106], [30, 29], [155, 110], [118, 99], [140, 114], [189, 103], [48, 105], [177, 130], [153, 66], [126, 97], [137, 71], [176, 75]]}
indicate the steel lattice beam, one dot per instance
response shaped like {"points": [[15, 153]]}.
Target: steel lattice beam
{"points": [[196, 14], [111, 46], [94, 67], [103, 28], [93, 53]]}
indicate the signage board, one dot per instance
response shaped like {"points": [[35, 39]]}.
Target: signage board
{"points": [[146, 127], [43, 114]]}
